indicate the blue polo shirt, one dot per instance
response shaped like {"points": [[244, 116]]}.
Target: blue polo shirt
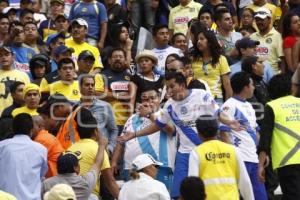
{"points": [[93, 12]]}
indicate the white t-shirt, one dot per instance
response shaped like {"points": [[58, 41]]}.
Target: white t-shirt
{"points": [[162, 55], [133, 147], [183, 115], [245, 140], [144, 188]]}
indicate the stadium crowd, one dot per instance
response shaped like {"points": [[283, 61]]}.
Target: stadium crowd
{"points": [[150, 100]]}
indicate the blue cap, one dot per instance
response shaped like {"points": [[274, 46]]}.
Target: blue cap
{"points": [[246, 43], [53, 37], [7, 49], [62, 49]]}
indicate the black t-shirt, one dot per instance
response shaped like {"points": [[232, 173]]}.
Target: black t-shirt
{"points": [[143, 84], [228, 5]]}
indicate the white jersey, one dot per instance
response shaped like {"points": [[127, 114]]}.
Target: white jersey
{"points": [[138, 146], [162, 55], [245, 140], [183, 115]]}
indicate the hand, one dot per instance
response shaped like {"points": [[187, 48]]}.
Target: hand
{"points": [[129, 43], [125, 137], [114, 167], [100, 45], [236, 126]]}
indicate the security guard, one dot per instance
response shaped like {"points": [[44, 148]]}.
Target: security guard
{"points": [[218, 164], [280, 136]]}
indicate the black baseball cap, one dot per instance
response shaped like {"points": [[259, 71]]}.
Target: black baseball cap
{"points": [[86, 54]]}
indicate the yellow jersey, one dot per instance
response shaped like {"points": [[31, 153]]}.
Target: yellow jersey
{"points": [[70, 91], [7, 78], [24, 109], [88, 150]]}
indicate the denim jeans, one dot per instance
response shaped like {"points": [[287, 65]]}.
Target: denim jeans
{"points": [[142, 14]]}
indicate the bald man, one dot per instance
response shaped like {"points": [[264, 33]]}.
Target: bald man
{"points": [[48, 140]]}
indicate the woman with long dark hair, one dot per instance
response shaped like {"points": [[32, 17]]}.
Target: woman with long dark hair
{"points": [[290, 35], [209, 65]]}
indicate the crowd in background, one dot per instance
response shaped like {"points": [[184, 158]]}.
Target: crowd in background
{"points": [[136, 99]]}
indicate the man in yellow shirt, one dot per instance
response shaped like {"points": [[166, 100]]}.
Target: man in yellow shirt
{"points": [[79, 29], [87, 148], [182, 14], [8, 75], [263, 4], [32, 98], [66, 85], [270, 47]]}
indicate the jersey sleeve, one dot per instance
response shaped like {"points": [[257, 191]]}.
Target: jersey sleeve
{"points": [[105, 164], [99, 84], [103, 13], [224, 67], [194, 163]]}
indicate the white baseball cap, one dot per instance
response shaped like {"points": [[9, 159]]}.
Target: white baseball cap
{"points": [[7, 9], [263, 13], [81, 22], [144, 160], [60, 192]]}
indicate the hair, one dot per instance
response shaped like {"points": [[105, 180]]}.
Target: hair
{"points": [[179, 78], [239, 81], [86, 123], [158, 93], [212, 43], [247, 63], [25, 12], [6, 130], [192, 188], [175, 36], [279, 86], [286, 24], [15, 85], [85, 76], [196, 28], [134, 175], [186, 60], [23, 124], [14, 24], [116, 49], [66, 163], [65, 61], [205, 10], [30, 23], [3, 16], [207, 126], [250, 10], [157, 27], [219, 13], [115, 31], [175, 55]]}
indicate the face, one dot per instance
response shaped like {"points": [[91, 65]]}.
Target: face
{"points": [[202, 42], [32, 99], [169, 60], [206, 20], [247, 18], [39, 71], [27, 5], [4, 25], [162, 36], [295, 25], [61, 111], [226, 22], [85, 65], [180, 43], [78, 32], [117, 61], [3, 5], [87, 87], [174, 89], [187, 70], [259, 68], [56, 8], [66, 72], [18, 94], [18, 32], [61, 24], [30, 31], [146, 65], [175, 65], [250, 89], [6, 58], [151, 170], [12, 16], [57, 43], [150, 99], [27, 18], [250, 51], [124, 34], [263, 24]]}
